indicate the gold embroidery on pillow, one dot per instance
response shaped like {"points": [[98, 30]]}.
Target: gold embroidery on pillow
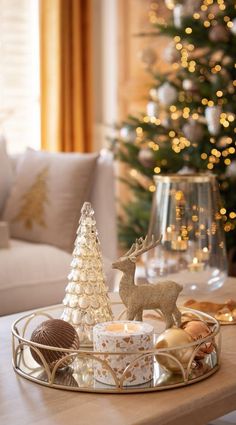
{"points": [[33, 202]]}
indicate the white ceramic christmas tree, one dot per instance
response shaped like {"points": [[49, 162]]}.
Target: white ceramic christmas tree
{"points": [[86, 301]]}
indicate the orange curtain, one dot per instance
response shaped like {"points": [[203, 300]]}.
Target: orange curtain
{"points": [[66, 83]]}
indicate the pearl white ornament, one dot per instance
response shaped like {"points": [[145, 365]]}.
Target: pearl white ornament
{"points": [[171, 54], [231, 169], [186, 170], [152, 109], [145, 157], [126, 134], [179, 12], [189, 85], [193, 131], [212, 114], [219, 33], [167, 94], [233, 28], [154, 93]]}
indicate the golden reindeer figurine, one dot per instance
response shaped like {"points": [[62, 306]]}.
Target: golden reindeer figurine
{"points": [[137, 298]]}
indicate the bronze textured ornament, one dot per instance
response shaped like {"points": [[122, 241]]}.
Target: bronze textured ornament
{"points": [[54, 333], [137, 298]]}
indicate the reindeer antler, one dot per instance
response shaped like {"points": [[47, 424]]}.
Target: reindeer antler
{"points": [[142, 245]]}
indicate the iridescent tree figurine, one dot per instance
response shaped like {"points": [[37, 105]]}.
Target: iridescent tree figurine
{"points": [[86, 301]]}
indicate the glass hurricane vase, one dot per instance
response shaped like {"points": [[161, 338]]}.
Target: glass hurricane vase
{"points": [[187, 213]]}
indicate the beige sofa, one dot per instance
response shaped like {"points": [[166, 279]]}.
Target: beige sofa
{"points": [[34, 275]]}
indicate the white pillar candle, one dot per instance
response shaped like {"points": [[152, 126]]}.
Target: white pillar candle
{"points": [[123, 337]]}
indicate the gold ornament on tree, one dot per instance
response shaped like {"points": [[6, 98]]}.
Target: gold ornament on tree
{"points": [[86, 301], [32, 210], [137, 298]]}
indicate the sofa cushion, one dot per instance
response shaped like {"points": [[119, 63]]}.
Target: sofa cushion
{"points": [[41, 276], [6, 174], [46, 198]]}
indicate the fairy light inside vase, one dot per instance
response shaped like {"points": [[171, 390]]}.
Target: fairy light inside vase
{"points": [[196, 266]]}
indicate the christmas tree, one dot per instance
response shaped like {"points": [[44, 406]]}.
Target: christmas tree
{"points": [[189, 124], [86, 301]]}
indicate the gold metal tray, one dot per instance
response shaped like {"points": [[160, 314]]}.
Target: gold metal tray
{"points": [[79, 376]]}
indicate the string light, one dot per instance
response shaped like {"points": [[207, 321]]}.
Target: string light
{"points": [[190, 47], [139, 131], [157, 170], [188, 30], [152, 188], [210, 166], [223, 211]]}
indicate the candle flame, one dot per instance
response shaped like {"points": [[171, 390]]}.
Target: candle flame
{"points": [[205, 249], [195, 260]]}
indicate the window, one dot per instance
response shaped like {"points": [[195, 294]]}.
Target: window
{"points": [[19, 74]]}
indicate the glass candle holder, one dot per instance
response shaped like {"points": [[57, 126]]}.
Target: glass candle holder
{"points": [[186, 212]]}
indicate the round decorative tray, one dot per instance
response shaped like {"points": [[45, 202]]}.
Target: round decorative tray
{"points": [[79, 376]]}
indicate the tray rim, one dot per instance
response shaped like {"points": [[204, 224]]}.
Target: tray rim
{"points": [[114, 390]]}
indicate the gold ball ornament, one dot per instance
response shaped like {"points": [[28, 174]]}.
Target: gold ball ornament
{"points": [[54, 333], [174, 337], [198, 329]]}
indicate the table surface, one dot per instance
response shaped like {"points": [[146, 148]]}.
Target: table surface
{"points": [[23, 402]]}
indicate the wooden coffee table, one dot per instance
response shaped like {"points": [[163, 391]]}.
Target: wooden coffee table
{"points": [[25, 403]]}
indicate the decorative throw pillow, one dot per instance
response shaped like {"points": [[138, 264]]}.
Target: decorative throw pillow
{"points": [[6, 174], [49, 191]]}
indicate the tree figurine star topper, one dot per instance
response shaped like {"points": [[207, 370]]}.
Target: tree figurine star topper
{"points": [[86, 302]]}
